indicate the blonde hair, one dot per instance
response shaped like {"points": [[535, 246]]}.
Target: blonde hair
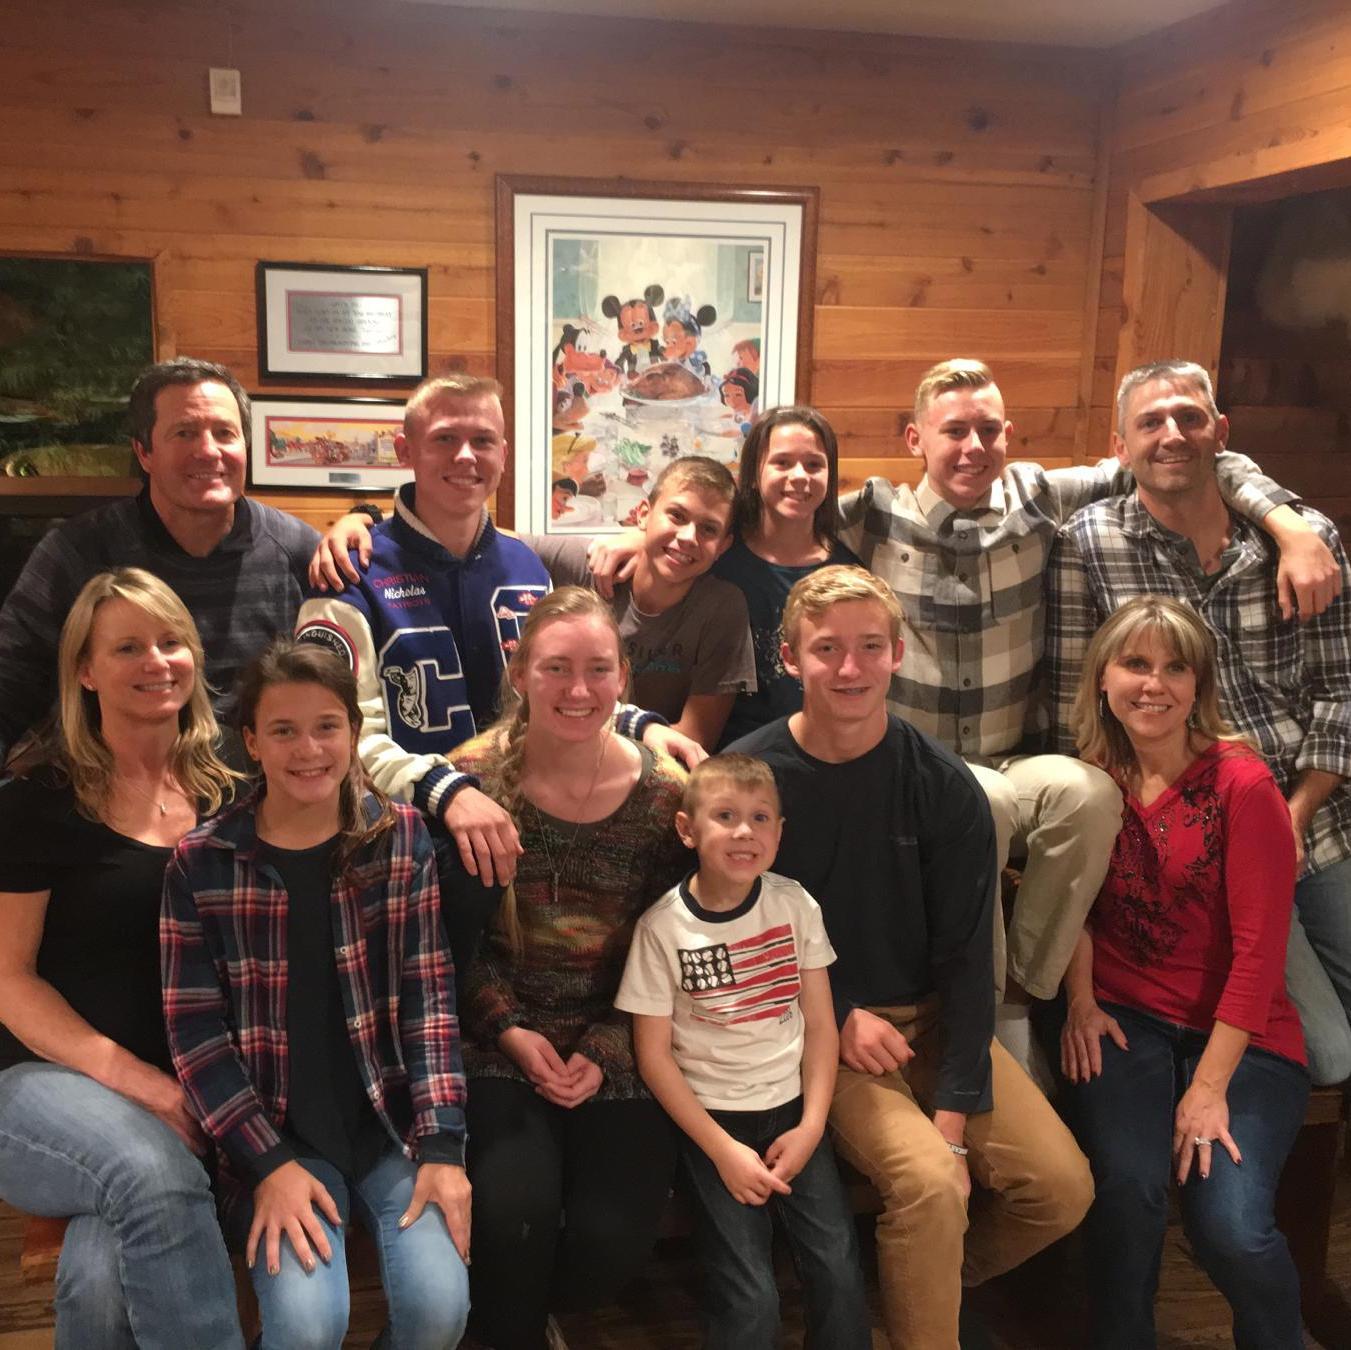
{"points": [[458, 384], [828, 586], [731, 770], [83, 754], [961, 372], [287, 661], [502, 778], [1101, 739]]}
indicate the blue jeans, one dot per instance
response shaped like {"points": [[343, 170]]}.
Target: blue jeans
{"points": [[1125, 1123], [1318, 969], [143, 1262], [741, 1300], [425, 1282]]}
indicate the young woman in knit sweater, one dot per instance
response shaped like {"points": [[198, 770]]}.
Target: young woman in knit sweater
{"points": [[560, 1123]]}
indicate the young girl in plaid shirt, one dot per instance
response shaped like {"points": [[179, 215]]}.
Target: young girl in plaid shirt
{"points": [[307, 920]]}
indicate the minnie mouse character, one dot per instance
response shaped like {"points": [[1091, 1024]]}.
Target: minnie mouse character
{"points": [[636, 321], [682, 327]]}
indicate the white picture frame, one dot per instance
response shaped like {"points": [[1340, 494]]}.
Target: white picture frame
{"points": [[576, 259]]}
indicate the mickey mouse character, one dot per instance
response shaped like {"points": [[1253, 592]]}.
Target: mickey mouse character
{"points": [[637, 323], [682, 327]]}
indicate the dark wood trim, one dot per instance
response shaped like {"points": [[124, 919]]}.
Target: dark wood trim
{"points": [[508, 185]]}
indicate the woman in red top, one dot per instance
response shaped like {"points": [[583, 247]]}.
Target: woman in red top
{"points": [[1187, 1054]]}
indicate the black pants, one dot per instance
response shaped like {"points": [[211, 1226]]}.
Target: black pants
{"points": [[567, 1204]]}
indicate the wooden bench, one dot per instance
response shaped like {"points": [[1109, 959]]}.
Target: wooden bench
{"points": [[1303, 1213]]}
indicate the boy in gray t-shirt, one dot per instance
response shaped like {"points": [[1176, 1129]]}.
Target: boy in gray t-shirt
{"points": [[686, 634]]}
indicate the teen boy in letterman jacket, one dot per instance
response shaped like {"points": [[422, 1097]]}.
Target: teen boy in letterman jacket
{"points": [[427, 630]]}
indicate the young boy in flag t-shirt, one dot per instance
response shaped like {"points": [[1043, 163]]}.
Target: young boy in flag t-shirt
{"points": [[735, 1036]]}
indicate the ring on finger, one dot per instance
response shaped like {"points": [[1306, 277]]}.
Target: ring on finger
{"points": [[1202, 1140]]}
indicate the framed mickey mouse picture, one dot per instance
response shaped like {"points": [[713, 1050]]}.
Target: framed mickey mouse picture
{"points": [[629, 335]]}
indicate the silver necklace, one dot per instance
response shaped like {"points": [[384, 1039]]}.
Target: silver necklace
{"points": [[150, 797], [556, 868]]}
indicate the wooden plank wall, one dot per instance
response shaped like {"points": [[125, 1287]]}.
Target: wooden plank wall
{"points": [[957, 179], [1254, 87]]}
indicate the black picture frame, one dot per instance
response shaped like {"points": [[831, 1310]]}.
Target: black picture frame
{"points": [[395, 325]]}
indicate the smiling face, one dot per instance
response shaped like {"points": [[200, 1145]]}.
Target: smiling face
{"points": [[1150, 690], [736, 832], [571, 677], [845, 657], [303, 743], [637, 323], [1169, 438], [734, 399], [963, 438], [794, 473], [196, 458], [685, 529], [140, 667], [676, 343], [457, 449]]}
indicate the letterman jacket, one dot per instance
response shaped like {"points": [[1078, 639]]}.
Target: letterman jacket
{"points": [[428, 635]]}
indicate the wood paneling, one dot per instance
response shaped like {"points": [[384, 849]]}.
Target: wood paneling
{"points": [[956, 179], [1255, 90]]}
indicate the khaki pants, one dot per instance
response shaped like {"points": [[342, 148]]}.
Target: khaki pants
{"points": [[1066, 815], [1032, 1184]]}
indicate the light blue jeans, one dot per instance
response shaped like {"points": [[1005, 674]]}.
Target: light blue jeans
{"points": [[143, 1262], [1318, 970], [426, 1284]]}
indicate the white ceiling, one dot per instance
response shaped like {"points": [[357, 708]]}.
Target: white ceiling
{"points": [[1077, 23]]}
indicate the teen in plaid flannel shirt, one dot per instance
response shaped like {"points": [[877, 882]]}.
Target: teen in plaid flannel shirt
{"points": [[965, 553]]}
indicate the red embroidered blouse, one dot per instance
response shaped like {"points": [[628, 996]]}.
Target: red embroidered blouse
{"points": [[1191, 923]]}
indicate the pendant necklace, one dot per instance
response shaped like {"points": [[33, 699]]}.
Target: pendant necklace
{"points": [[556, 868], [141, 792]]}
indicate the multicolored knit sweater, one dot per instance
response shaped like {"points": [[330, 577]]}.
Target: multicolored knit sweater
{"points": [[563, 983]]}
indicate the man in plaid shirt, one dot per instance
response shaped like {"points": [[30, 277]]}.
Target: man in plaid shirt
{"points": [[1285, 684], [965, 552]]}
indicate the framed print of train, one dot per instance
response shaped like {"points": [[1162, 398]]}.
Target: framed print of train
{"points": [[638, 322]]}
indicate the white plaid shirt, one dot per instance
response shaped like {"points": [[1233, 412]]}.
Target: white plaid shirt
{"points": [[970, 583], [1284, 683]]}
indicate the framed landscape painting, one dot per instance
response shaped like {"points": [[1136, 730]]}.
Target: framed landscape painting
{"points": [[638, 322]]}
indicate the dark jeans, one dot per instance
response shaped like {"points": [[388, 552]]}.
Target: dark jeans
{"points": [[1125, 1124], [567, 1204], [741, 1299]]}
